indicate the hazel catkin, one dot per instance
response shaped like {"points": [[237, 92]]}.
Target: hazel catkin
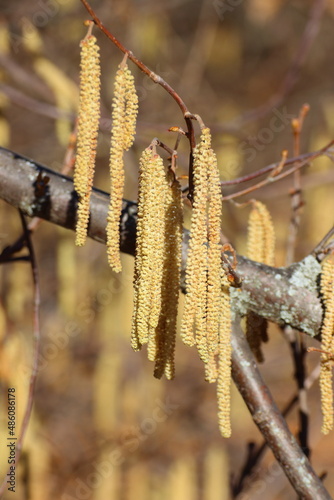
{"points": [[88, 125], [196, 271], [167, 322], [261, 235], [224, 362], [261, 248], [124, 115], [157, 263], [203, 279], [149, 249], [327, 345]]}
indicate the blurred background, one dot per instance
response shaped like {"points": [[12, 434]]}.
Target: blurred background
{"points": [[102, 426]]}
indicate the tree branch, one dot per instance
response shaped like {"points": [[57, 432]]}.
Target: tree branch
{"points": [[270, 421], [286, 296]]}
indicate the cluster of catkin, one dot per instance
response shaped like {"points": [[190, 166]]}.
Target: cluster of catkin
{"points": [[261, 248], [206, 320], [157, 263], [124, 114], [206, 317], [327, 345]]}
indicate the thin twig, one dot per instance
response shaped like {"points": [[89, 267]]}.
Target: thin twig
{"points": [[293, 337], [273, 166], [324, 247], [296, 194], [156, 79], [35, 105], [286, 173]]}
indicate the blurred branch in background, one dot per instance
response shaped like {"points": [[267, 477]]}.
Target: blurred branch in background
{"points": [[27, 243], [292, 76]]}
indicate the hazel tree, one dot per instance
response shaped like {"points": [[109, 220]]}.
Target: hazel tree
{"points": [[229, 298]]}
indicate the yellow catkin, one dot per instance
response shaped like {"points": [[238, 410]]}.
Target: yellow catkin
{"points": [[261, 235], [166, 328], [131, 109], [255, 236], [196, 271], [145, 159], [214, 265], [149, 251], [88, 125], [327, 345], [261, 248], [124, 114], [203, 280], [224, 366]]}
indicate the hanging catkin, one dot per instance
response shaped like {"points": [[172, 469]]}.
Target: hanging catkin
{"points": [[88, 125], [327, 345], [261, 235], [157, 263], [166, 328], [124, 114], [196, 271], [214, 266], [203, 281], [207, 302], [149, 250], [224, 362], [261, 248]]}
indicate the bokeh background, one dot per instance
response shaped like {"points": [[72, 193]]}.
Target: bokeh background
{"points": [[95, 398]]}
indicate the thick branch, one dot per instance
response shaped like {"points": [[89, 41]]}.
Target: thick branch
{"points": [[282, 295], [270, 421]]}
